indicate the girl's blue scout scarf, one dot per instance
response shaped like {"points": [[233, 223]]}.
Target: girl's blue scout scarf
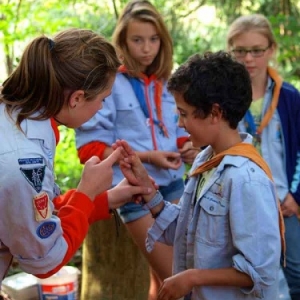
{"points": [[251, 127], [142, 96]]}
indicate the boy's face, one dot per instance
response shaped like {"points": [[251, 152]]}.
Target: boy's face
{"points": [[200, 130]]}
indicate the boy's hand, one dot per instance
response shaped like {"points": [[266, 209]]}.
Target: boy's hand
{"points": [[161, 159], [134, 171], [132, 167], [177, 286]]}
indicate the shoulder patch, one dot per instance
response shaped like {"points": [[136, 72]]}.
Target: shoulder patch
{"points": [[34, 176], [46, 229], [41, 207], [30, 161]]}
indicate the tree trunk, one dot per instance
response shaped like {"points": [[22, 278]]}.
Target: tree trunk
{"points": [[113, 268]]}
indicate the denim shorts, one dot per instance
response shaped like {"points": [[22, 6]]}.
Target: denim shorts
{"points": [[132, 211]]}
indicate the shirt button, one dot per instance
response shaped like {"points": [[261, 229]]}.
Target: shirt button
{"points": [[252, 170], [211, 208]]}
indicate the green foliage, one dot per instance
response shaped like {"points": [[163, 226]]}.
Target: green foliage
{"points": [[286, 30], [67, 166], [20, 21]]}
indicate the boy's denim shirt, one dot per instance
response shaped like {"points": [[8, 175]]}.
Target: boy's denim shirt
{"points": [[234, 223]]}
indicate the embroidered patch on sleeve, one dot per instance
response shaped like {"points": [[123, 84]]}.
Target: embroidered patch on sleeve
{"points": [[35, 177], [46, 229], [41, 206], [30, 161]]}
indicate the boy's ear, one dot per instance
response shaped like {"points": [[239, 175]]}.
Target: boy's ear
{"points": [[216, 111], [76, 98]]}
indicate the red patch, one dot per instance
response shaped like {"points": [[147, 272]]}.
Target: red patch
{"points": [[41, 206]]}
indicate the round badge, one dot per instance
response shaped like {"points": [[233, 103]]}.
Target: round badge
{"points": [[46, 229]]}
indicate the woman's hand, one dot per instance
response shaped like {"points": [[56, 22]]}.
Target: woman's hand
{"points": [[125, 192], [97, 175]]}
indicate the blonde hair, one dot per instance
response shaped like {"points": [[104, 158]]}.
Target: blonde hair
{"points": [[254, 22], [76, 59], [144, 11]]}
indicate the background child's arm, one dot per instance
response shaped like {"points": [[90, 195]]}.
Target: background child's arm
{"points": [[181, 284]]}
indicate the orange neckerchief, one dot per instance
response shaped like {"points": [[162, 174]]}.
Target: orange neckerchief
{"points": [[158, 89], [249, 151], [55, 130], [278, 83]]}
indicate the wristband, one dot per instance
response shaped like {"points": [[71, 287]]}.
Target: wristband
{"points": [[158, 198], [154, 216]]}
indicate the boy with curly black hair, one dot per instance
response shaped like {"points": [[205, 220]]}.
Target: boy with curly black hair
{"points": [[226, 228]]}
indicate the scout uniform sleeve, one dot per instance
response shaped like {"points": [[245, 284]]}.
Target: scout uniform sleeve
{"points": [[255, 231], [71, 221], [39, 240], [181, 141], [74, 224], [100, 211], [88, 150]]}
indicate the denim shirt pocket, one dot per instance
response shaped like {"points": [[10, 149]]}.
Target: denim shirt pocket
{"points": [[129, 112], [213, 219]]}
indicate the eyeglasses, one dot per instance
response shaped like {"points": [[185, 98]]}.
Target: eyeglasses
{"points": [[256, 52]]}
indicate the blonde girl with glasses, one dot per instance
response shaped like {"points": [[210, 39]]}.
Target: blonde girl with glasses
{"points": [[274, 122], [143, 112]]}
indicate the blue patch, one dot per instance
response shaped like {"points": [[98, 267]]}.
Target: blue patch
{"points": [[30, 161], [46, 229], [35, 177]]}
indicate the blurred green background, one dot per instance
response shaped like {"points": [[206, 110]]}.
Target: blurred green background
{"points": [[196, 26]]}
